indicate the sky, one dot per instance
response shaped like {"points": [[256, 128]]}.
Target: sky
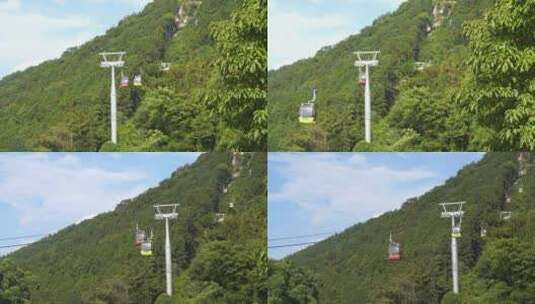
{"points": [[32, 31], [297, 29], [310, 193], [41, 193]]}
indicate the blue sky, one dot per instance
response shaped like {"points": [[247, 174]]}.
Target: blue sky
{"points": [[313, 193], [299, 28], [33, 31], [44, 192]]}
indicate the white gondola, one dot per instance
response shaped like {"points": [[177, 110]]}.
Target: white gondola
{"points": [[420, 66], [506, 215], [165, 66], [138, 81], [307, 110], [220, 217]]}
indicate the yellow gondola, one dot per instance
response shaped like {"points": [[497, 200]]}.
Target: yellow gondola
{"points": [[146, 246], [456, 232]]}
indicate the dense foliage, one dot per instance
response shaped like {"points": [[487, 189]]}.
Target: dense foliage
{"points": [[213, 262], [14, 283], [500, 88], [241, 100], [415, 107], [63, 104], [352, 267], [289, 284]]}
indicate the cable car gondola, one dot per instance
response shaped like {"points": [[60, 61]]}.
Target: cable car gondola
{"points": [[140, 236], [146, 246], [220, 217], [307, 110], [124, 81], [456, 232], [165, 66], [362, 76], [394, 252], [137, 80]]}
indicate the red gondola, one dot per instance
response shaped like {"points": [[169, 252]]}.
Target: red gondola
{"points": [[124, 82], [394, 252], [140, 236]]}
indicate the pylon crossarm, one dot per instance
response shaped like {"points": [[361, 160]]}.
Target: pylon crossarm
{"points": [[110, 59], [367, 58], [454, 209], [165, 211]]}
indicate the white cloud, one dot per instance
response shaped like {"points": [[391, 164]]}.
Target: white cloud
{"points": [[330, 186], [293, 36], [299, 28], [31, 37], [49, 191], [135, 3]]}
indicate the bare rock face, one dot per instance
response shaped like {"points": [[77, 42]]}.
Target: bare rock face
{"points": [[186, 12]]}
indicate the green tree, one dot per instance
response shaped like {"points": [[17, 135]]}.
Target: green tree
{"points": [[289, 284], [500, 88], [240, 97], [504, 274], [14, 284]]}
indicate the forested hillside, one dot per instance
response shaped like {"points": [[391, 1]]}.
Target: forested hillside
{"points": [[450, 77], [64, 104], [215, 259], [496, 258]]}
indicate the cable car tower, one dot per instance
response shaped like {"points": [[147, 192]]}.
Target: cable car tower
{"points": [[455, 212], [364, 62], [113, 60], [167, 212]]}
